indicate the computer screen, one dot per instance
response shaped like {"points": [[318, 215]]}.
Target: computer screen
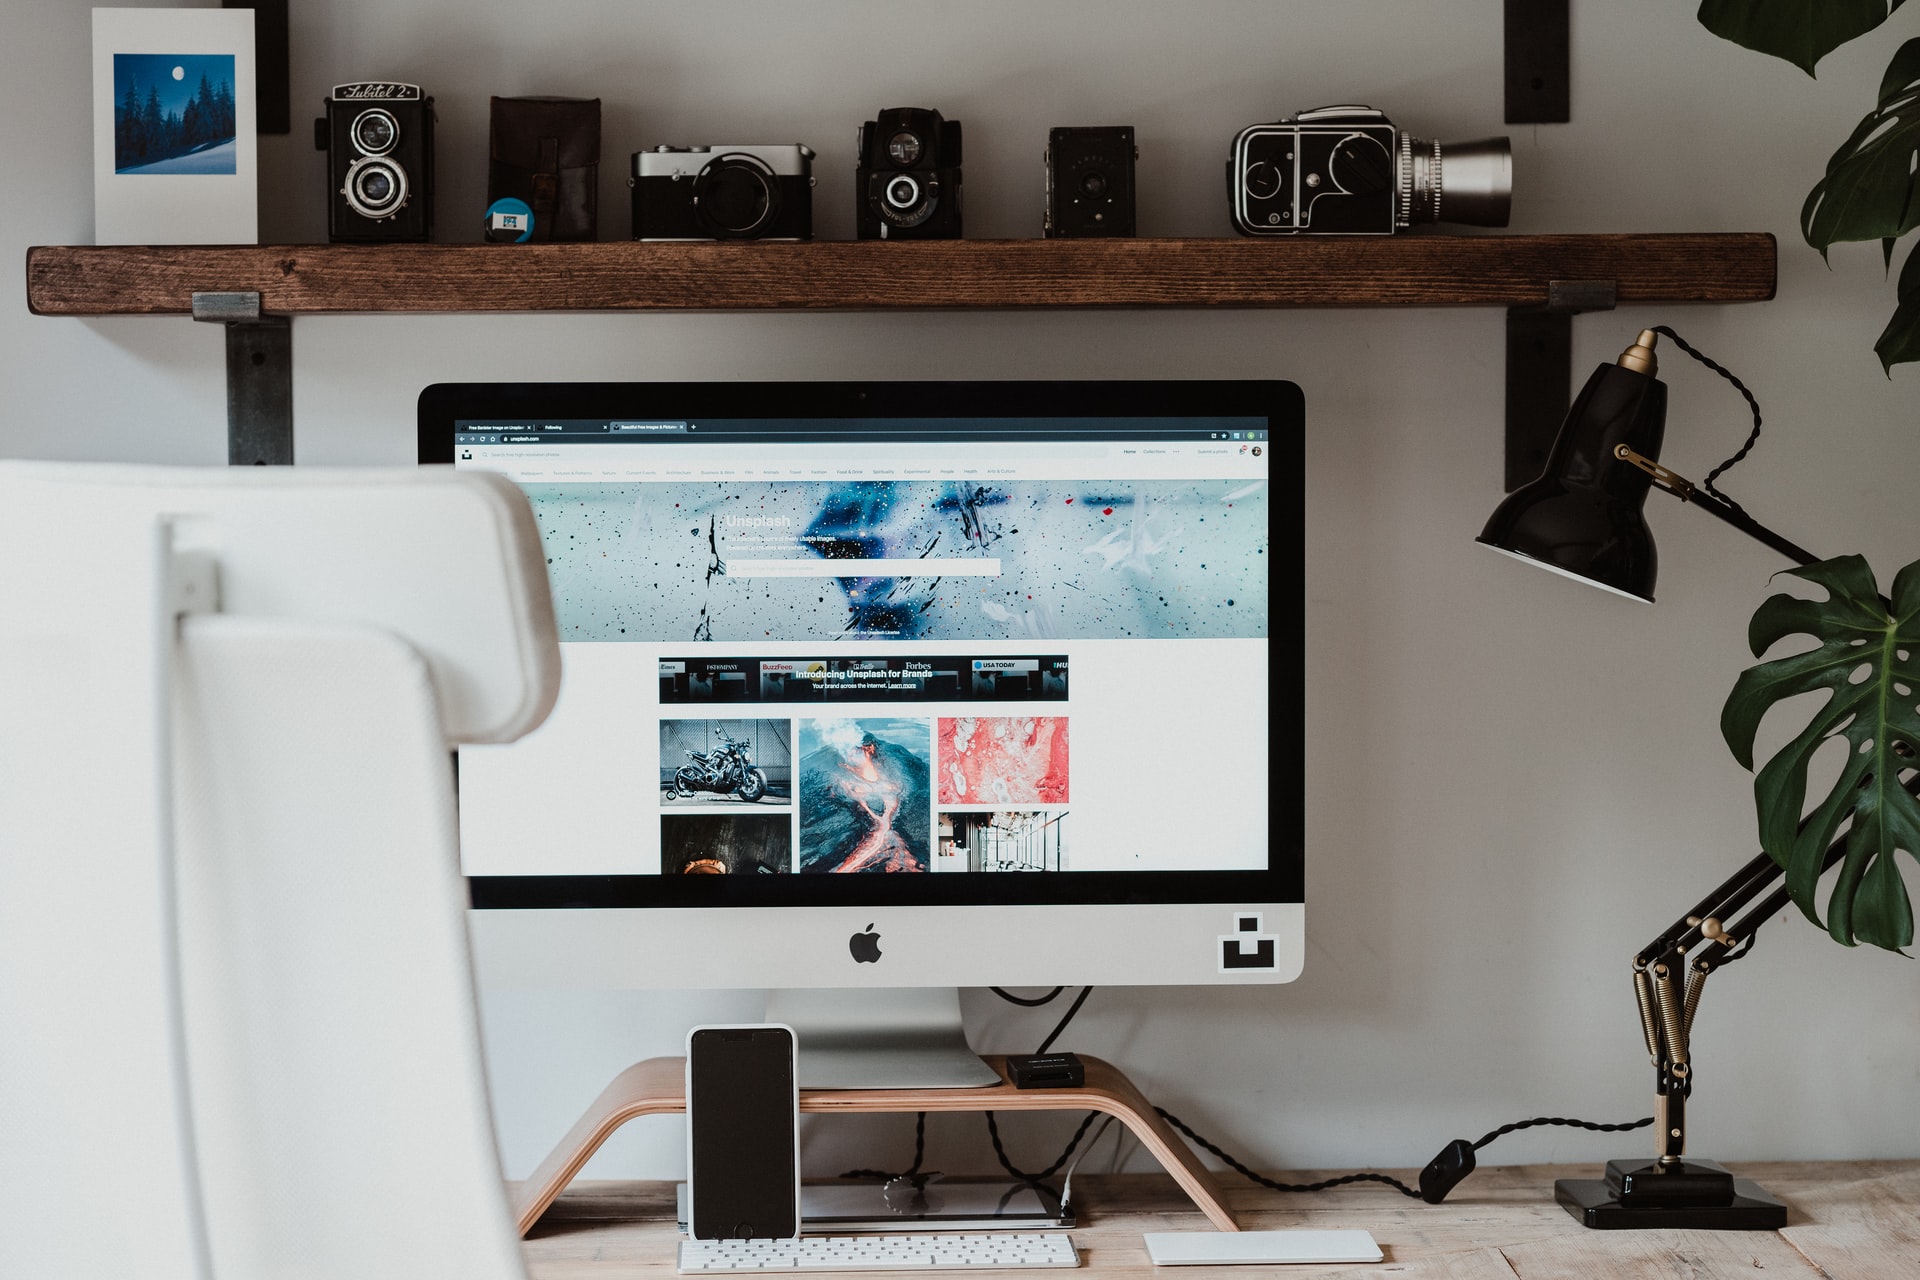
{"points": [[963, 665]]}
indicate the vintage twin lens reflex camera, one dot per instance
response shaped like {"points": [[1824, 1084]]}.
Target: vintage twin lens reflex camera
{"points": [[1090, 182], [378, 137], [907, 185], [723, 193], [1348, 171]]}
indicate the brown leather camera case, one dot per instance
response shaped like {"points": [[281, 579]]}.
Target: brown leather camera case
{"points": [[546, 151]]}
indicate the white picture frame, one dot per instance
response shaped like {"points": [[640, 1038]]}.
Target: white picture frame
{"points": [[175, 141]]}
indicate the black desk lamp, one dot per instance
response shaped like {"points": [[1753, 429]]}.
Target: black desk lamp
{"points": [[1582, 518]]}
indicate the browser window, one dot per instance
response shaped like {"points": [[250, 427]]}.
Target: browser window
{"points": [[925, 646]]}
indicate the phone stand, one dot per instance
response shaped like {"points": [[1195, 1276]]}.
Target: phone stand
{"points": [[658, 1086]]}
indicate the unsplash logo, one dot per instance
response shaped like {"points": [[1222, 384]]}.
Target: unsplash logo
{"points": [[1247, 949]]}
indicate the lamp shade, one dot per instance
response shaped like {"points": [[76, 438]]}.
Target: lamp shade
{"points": [[1583, 517]]}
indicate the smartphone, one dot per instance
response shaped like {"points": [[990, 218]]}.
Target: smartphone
{"points": [[743, 1134]]}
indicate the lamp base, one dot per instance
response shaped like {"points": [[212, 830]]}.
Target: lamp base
{"points": [[1637, 1194]]}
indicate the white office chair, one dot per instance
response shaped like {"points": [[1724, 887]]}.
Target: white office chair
{"points": [[237, 1028]]}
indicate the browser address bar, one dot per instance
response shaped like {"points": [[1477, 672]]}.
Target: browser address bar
{"points": [[878, 567]]}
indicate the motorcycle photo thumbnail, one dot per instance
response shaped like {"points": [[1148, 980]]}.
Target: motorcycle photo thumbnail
{"points": [[724, 844], [707, 762], [864, 795]]}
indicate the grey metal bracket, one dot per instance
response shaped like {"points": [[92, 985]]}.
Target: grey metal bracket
{"points": [[1537, 62], [1540, 370], [259, 378]]}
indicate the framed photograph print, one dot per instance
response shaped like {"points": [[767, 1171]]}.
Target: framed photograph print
{"points": [[175, 149]]}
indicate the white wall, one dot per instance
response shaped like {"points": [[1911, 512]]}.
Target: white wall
{"points": [[1515, 781]]}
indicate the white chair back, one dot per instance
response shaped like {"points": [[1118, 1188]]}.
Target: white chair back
{"points": [[237, 1025]]}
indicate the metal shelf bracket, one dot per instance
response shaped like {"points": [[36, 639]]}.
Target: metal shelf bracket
{"points": [[259, 378], [1540, 370], [1538, 58]]}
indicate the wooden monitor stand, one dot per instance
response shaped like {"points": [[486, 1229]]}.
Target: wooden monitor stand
{"points": [[658, 1086]]}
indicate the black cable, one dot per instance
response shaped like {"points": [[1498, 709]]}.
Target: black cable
{"points": [[1438, 1181], [1440, 1176], [1000, 1152], [1062, 1025], [919, 1155], [1753, 404], [1250, 1175], [1575, 1124]]}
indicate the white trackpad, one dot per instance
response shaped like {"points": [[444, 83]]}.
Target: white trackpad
{"points": [[1225, 1248]]}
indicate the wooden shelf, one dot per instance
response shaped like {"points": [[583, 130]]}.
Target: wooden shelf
{"points": [[1413, 270]]}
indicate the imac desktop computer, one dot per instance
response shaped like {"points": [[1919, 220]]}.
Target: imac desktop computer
{"points": [[876, 690]]}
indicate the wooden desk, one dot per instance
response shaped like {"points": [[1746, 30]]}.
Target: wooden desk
{"points": [[1857, 1220]]}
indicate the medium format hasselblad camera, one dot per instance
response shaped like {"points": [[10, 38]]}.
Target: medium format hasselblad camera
{"points": [[378, 137], [908, 184], [1348, 171], [723, 193], [1090, 182]]}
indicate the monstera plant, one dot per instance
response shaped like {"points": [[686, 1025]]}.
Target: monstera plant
{"points": [[1866, 658], [1869, 189]]}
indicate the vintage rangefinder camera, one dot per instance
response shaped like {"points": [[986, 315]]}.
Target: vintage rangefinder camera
{"points": [[1090, 182], [723, 193], [908, 184], [378, 137], [1348, 171]]}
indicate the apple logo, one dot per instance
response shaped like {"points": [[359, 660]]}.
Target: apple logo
{"points": [[865, 946]]}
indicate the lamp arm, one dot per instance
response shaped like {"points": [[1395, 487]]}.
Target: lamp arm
{"points": [[1685, 490], [1667, 984]]}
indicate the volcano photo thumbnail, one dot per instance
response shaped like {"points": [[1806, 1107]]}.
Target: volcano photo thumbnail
{"points": [[864, 795]]}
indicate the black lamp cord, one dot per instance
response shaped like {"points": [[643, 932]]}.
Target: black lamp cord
{"points": [[1444, 1172], [1752, 404]]}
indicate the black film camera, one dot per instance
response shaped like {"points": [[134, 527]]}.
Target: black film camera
{"points": [[378, 137], [908, 184], [1348, 171], [723, 193], [1090, 182]]}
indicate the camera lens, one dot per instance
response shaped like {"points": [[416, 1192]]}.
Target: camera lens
{"points": [[374, 131], [736, 195], [1472, 183], [1094, 184], [905, 147], [375, 187], [902, 192]]}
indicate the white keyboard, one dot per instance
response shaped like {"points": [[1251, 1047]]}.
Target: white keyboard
{"points": [[883, 1251]]}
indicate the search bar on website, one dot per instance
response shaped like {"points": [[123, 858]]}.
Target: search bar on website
{"points": [[875, 568]]}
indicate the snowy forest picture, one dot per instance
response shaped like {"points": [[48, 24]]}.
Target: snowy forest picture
{"points": [[173, 113]]}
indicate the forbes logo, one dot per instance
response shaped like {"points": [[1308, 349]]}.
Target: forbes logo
{"points": [[864, 947]]}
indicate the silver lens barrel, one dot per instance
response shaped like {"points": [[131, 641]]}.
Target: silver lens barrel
{"points": [[375, 187], [1464, 182]]}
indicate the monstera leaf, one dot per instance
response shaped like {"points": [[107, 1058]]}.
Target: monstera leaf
{"points": [[1801, 31], [1899, 342], [1867, 658], [1868, 190]]}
